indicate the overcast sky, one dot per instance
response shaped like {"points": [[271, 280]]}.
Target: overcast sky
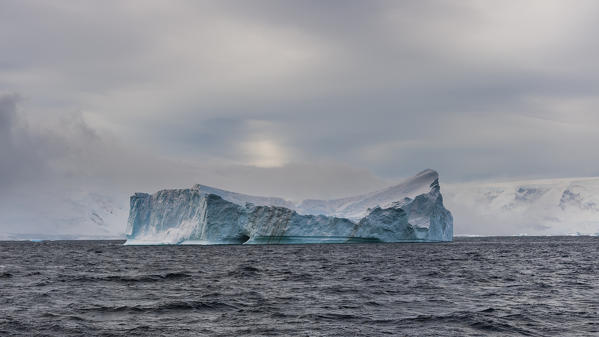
{"points": [[294, 98]]}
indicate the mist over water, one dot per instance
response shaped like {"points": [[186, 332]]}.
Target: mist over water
{"points": [[534, 286]]}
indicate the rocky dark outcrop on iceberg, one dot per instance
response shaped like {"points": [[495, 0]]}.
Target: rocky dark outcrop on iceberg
{"points": [[411, 211]]}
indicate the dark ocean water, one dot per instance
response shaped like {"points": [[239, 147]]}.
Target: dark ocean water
{"points": [[534, 286]]}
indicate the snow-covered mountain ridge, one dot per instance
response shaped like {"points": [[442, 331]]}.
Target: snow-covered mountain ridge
{"points": [[534, 207]]}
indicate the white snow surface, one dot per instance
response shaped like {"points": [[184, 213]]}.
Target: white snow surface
{"points": [[242, 199], [356, 207], [410, 211]]}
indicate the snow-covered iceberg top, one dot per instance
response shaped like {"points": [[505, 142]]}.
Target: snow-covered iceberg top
{"points": [[411, 211]]}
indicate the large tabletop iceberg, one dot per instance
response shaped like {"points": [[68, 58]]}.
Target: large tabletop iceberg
{"points": [[411, 211]]}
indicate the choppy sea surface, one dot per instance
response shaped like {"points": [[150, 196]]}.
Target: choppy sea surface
{"points": [[533, 286]]}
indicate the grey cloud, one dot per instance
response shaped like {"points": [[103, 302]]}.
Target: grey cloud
{"points": [[22, 154], [144, 95], [383, 87], [54, 174]]}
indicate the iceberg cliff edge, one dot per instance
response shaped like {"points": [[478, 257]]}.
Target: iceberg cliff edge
{"points": [[411, 211]]}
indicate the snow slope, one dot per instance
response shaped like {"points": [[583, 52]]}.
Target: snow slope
{"points": [[356, 207], [64, 214]]}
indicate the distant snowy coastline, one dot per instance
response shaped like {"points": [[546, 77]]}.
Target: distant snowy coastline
{"points": [[548, 207], [558, 207]]}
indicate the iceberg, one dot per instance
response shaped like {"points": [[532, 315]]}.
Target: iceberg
{"points": [[411, 211]]}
